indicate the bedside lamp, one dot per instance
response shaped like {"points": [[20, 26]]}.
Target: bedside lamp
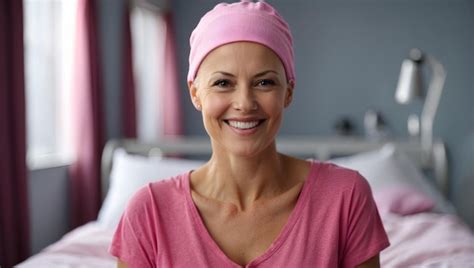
{"points": [[410, 87]]}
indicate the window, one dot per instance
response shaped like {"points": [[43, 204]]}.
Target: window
{"points": [[148, 40], [48, 37]]}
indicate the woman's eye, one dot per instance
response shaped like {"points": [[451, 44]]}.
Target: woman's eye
{"points": [[266, 82], [221, 83]]}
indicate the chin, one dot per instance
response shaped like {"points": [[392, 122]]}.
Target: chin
{"points": [[247, 148]]}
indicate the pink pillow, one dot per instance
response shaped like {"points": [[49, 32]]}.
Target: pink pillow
{"points": [[402, 200]]}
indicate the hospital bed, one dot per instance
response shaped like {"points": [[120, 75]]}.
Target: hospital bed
{"points": [[409, 189]]}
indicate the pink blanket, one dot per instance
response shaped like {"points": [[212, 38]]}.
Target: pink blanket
{"points": [[424, 239], [85, 246], [427, 240]]}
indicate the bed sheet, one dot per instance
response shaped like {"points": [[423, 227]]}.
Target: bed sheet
{"points": [[427, 240], [420, 240], [85, 246]]}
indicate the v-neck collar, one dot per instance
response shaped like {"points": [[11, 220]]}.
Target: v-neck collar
{"points": [[276, 244]]}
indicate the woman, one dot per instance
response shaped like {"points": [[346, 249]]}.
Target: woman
{"points": [[249, 205]]}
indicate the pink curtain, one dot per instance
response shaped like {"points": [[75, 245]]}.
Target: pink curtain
{"points": [[87, 118], [171, 108], [14, 211], [129, 115]]}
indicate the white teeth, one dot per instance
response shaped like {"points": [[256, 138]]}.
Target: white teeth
{"points": [[243, 125]]}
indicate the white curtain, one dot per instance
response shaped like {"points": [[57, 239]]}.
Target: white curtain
{"points": [[148, 36]]}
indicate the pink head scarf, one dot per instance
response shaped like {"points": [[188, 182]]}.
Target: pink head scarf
{"points": [[243, 21]]}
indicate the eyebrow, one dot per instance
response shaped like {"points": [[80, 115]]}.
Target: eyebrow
{"points": [[266, 72], [221, 72], [257, 75]]}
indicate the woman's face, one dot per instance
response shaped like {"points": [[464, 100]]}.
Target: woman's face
{"points": [[241, 90]]}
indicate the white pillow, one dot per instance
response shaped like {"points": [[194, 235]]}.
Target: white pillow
{"points": [[389, 167], [130, 173]]}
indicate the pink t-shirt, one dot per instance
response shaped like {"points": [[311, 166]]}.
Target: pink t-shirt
{"points": [[335, 223]]}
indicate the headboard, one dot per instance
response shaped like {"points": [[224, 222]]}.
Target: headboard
{"points": [[302, 146]]}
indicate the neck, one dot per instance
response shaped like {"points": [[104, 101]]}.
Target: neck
{"points": [[243, 180]]}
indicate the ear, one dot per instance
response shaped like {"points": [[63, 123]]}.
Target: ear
{"points": [[289, 93], [194, 96]]}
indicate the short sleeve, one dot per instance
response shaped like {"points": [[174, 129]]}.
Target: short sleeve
{"points": [[365, 235], [134, 240]]}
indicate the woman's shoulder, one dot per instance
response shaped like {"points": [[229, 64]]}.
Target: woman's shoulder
{"points": [[160, 192], [171, 185], [337, 178], [330, 169]]}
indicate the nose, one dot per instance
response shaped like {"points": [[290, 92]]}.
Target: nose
{"points": [[245, 100]]}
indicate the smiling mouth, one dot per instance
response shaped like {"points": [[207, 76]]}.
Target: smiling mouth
{"points": [[244, 125]]}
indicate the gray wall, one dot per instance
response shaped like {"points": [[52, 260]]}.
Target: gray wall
{"points": [[49, 206], [348, 57], [111, 21]]}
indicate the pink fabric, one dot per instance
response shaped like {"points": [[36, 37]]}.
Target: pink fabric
{"points": [[171, 111], [403, 200], [243, 21], [335, 223], [420, 240], [427, 240], [129, 113], [14, 212], [85, 246], [87, 118]]}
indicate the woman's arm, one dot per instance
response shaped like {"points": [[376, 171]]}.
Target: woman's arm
{"points": [[121, 264], [373, 262]]}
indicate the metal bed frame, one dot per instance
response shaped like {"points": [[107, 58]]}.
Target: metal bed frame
{"points": [[302, 146]]}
